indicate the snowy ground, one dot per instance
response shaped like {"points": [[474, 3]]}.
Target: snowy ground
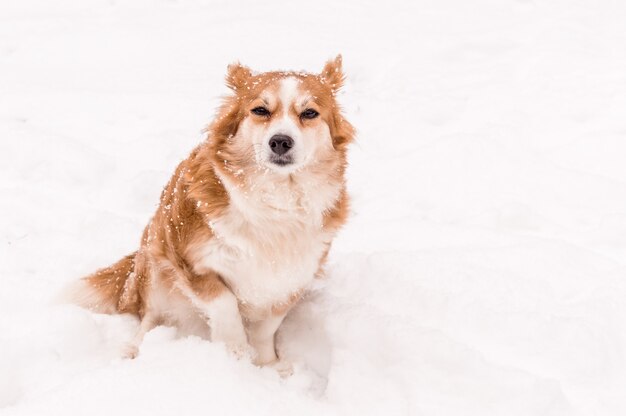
{"points": [[482, 273]]}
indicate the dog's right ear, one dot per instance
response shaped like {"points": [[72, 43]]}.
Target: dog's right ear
{"points": [[237, 76]]}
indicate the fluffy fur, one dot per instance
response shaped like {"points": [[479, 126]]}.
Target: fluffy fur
{"points": [[239, 235]]}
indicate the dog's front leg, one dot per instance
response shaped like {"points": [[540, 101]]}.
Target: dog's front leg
{"points": [[261, 335], [226, 323], [219, 305]]}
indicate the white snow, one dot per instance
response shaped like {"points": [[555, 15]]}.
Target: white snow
{"points": [[483, 270]]}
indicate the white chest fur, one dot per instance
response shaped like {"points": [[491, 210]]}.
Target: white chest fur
{"points": [[269, 243]]}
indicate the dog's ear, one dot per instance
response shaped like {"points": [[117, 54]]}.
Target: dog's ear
{"points": [[237, 76], [332, 74]]}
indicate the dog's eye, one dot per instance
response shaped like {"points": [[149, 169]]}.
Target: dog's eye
{"points": [[260, 111], [309, 113]]}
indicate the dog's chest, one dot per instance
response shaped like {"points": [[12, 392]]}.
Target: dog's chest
{"points": [[264, 262]]}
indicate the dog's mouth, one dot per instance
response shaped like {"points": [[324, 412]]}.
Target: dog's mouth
{"points": [[282, 160]]}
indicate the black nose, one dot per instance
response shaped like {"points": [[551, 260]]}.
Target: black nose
{"points": [[281, 144]]}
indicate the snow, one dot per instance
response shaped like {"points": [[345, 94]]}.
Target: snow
{"points": [[482, 272]]}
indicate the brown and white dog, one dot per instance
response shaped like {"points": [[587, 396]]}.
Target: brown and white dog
{"points": [[246, 222]]}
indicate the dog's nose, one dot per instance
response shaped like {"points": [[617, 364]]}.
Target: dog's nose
{"points": [[281, 144]]}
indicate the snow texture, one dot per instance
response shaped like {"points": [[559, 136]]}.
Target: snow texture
{"points": [[483, 269]]}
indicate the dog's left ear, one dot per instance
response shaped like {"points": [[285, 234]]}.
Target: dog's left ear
{"points": [[237, 76], [332, 74]]}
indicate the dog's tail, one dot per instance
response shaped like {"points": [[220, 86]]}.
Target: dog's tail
{"points": [[113, 289]]}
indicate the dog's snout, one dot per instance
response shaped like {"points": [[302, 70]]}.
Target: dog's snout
{"points": [[281, 144]]}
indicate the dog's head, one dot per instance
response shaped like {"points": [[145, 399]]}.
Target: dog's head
{"points": [[281, 122]]}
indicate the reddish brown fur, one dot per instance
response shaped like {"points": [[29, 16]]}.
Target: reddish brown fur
{"points": [[195, 195]]}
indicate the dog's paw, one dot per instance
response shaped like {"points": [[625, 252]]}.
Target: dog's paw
{"points": [[284, 368], [130, 351]]}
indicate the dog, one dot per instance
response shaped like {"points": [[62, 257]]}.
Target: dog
{"points": [[245, 224]]}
